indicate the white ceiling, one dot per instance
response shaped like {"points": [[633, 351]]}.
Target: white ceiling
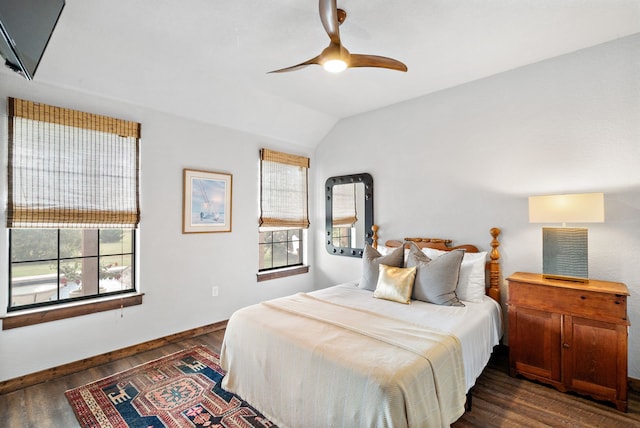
{"points": [[207, 59]]}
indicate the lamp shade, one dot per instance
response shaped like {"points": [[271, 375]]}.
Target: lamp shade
{"points": [[572, 208]]}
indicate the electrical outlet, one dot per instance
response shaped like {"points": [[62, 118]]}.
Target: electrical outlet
{"points": [[214, 291]]}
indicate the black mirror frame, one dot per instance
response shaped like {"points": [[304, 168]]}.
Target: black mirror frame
{"points": [[367, 180]]}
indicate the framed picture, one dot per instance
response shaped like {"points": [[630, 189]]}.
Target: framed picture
{"points": [[206, 203]]}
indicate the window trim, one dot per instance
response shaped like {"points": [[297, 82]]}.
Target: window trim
{"points": [[28, 317], [283, 272]]}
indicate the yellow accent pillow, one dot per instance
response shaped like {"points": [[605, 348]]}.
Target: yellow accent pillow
{"points": [[395, 283]]}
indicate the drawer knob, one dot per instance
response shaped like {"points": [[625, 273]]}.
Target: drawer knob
{"points": [[617, 302], [583, 297], [565, 345]]}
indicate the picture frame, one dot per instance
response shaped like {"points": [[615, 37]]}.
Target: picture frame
{"points": [[206, 201]]}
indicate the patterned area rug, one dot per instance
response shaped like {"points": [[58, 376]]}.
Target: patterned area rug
{"points": [[179, 390]]}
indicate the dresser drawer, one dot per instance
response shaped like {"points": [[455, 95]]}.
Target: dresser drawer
{"points": [[596, 305]]}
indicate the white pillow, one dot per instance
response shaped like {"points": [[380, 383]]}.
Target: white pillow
{"points": [[386, 250], [471, 282]]}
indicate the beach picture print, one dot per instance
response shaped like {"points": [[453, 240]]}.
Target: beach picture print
{"points": [[207, 202]]}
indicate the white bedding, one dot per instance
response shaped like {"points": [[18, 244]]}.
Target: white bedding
{"points": [[339, 357], [477, 325]]}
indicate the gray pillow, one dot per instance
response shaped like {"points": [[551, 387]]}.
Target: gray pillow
{"points": [[371, 260], [437, 279]]}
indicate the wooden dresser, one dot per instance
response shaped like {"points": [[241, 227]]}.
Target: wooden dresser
{"points": [[571, 335]]}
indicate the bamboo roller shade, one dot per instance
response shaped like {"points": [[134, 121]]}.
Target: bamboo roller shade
{"points": [[286, 158], [64, 116]]}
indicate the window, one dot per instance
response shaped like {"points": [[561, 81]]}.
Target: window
{"points": [[283, 209], [72, 205], [53, 265], [280, 248]]}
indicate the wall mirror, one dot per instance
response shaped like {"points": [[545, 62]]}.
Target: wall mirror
{"points": [[349, 214]]}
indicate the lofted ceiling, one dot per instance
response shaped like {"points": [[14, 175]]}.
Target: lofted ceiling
{"points": [[208, 59]]}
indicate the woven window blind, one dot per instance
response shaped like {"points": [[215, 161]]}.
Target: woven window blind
{"points": [[343, 204], [69, 169], [283, 190]]}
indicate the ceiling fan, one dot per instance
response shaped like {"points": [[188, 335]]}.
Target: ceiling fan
{"points": [[335, 57]]}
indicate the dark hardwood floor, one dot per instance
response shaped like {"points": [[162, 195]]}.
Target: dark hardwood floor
{"points": [[503, 401], [498, 400]]}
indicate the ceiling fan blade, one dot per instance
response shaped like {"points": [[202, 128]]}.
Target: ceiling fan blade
{"points": [[312, 61], [358, 60], [329, 18]]}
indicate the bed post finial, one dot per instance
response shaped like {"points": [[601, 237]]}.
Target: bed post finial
{"points": [[374, 228], [494, 266]]}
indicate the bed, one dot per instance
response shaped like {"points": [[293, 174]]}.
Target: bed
{"points": [[338, 357]]}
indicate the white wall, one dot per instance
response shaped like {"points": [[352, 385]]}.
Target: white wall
{"points": [[177, 271], [455, 163]]}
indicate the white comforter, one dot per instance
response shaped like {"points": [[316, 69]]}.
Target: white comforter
{"points": [[478, 325], [340, 358]]}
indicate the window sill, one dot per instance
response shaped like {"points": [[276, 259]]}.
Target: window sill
{"points": [[281, 273], [37, 316]]}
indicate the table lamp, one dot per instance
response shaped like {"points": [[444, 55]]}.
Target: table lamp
{"points": [[565, 252]]}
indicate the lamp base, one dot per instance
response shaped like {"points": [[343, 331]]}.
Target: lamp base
{"points": [[565, 253]]}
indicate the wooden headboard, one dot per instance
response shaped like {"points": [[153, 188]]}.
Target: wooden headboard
{"points": [[493, 265]]}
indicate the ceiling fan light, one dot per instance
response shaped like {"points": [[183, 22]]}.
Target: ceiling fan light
{"points": [[335, 65]]}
